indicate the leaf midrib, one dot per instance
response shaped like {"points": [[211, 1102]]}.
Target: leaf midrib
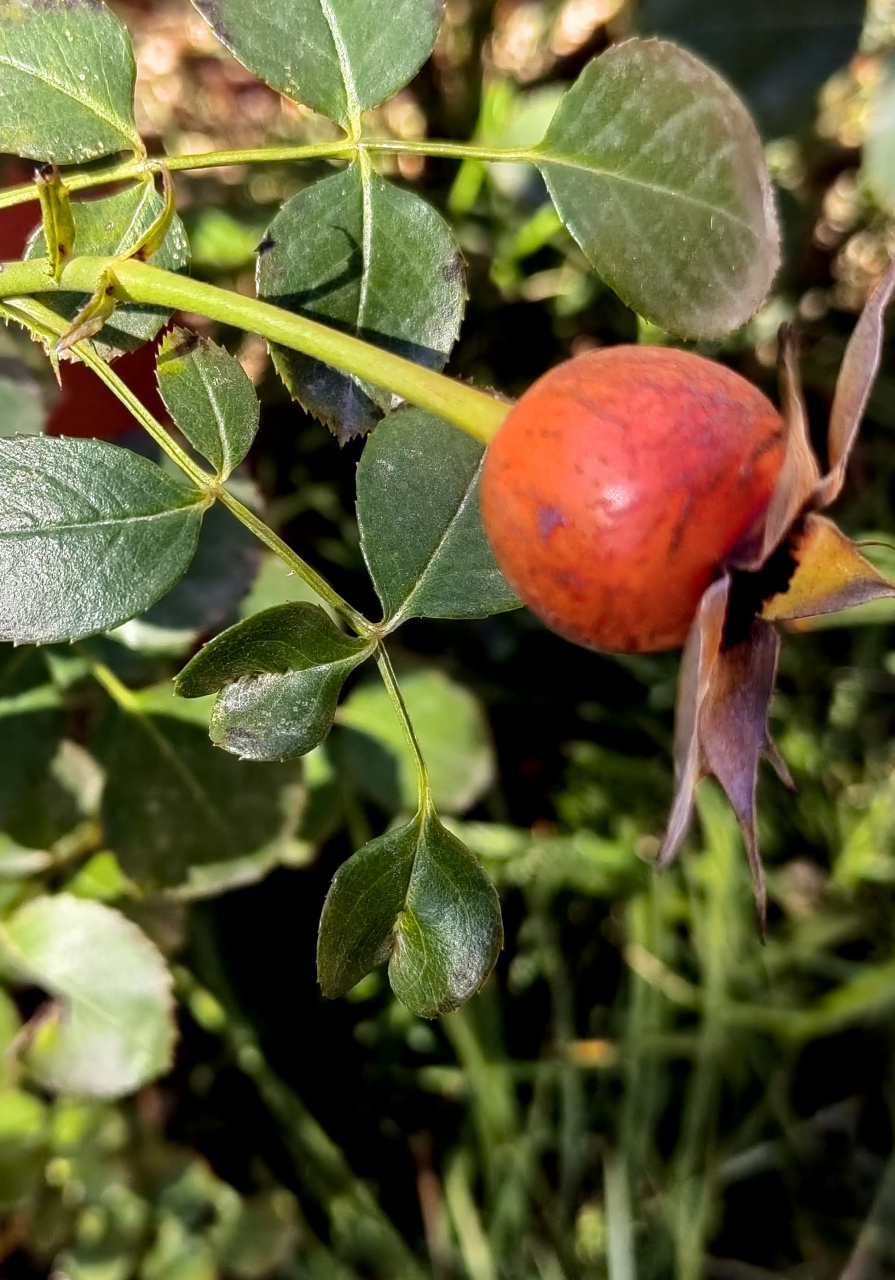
{"points": [[401, 612], [81, 526], [540, 158]]}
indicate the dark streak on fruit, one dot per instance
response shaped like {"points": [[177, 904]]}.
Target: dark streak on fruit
{"points": [[549, 520]]}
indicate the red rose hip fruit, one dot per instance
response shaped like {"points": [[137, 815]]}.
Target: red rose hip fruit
{"points": [[618, 486]]}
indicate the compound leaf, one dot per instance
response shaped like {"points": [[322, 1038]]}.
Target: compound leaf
{"points": [[656, 168], [210, 397], [417, 898], [420, 524], [90, 535], [176, 812], [281, 672], [109, 226], [66, 81], [355, 252], [340, 57], [111, 1027]]}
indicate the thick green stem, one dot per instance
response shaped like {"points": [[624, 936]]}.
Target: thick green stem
{"points": [[341, 149], [474, 411]]}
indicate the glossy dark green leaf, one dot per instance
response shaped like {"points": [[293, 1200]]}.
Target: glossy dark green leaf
{"points": [[358, 253], [417, 898], [66, 81], [452, 730], [420, 524], [113, 1028], [210, 397], [776, 53], [280, 672], [175, 808], [656, 168], [90, 535], [340, 57], [113, 225]]}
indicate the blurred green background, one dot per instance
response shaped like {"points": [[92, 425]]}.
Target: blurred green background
{"points": [[642, 1090]]}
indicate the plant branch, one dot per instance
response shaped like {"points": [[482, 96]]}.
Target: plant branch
{"points": [[339, 149], [474, 411], [47, 326]]}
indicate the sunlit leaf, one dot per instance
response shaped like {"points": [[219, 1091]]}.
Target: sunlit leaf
{"points": [[358, 253], [280, 672], [417, 898], [657, 170], [66, 81], [453, 735], [421, 529], [210, 397], [340, 57], [113, 225], [90, 535], [113, 1028]]}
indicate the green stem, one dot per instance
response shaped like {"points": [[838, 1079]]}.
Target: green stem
{"points": [[47, 325], [341, 149], [389, 679], [474, 411], [301, 568]]}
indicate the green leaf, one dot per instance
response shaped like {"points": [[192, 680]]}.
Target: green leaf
{"points": [[420, 524], [114, 1028], [177, 812], [90, 535], [210, 397], [340, 57], [206, 597], [30, 724], [417, 898], [453, 736], [109, 226], [375, 261], [281, 673], [66, 81], [656, 169]]}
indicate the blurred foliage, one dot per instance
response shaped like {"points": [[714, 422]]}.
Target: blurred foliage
{"points": [[642, 1090]]}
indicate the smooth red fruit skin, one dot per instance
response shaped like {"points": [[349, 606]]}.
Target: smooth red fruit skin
{"points": [[619, 484]]}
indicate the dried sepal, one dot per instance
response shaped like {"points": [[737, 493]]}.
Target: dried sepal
{"points": [[859, 368], [697, 668], [830, 574], [722, 724], [800, 474]]}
